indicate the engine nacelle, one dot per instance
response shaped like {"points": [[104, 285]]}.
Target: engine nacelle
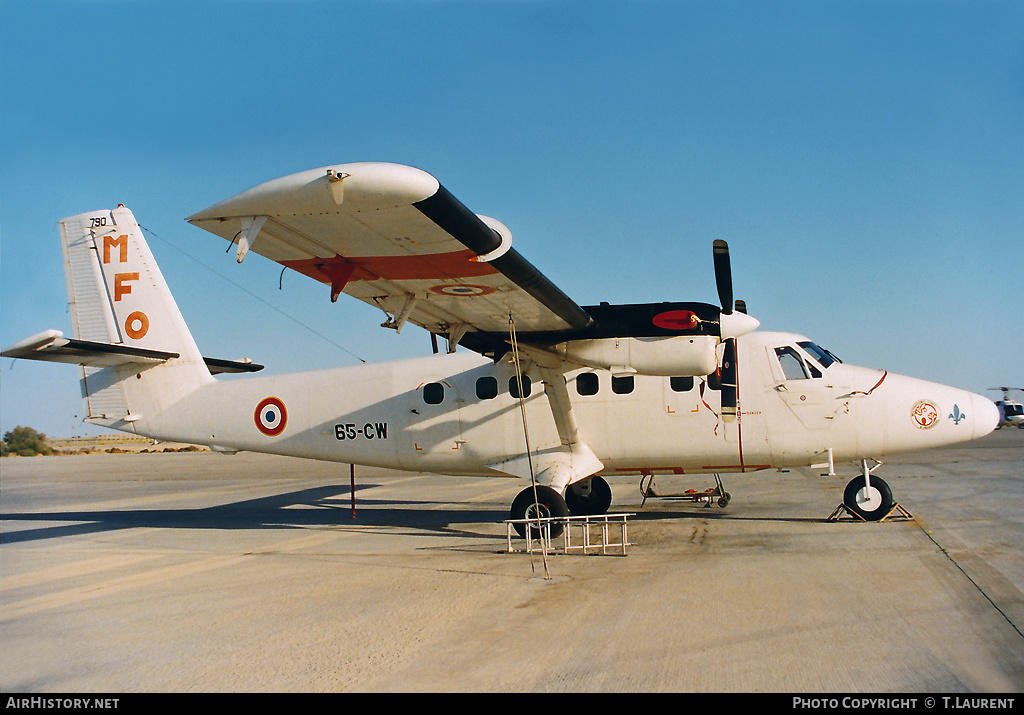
{"points": [[672, 356]]}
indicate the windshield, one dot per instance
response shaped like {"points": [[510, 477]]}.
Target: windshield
{"points": [[822, 355]]}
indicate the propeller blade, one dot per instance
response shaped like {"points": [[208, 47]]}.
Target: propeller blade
{"points": [[730, 381], [723, 274], [741, 306]]}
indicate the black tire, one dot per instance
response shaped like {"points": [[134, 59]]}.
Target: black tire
{"points": [[551, 504], [870, 507], [597, 501]]}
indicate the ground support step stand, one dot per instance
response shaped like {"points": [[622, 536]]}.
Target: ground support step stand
{"points": [[843, 513], [583, 534]]}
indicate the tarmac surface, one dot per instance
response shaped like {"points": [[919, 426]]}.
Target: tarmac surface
{"points": [[202, 572]]}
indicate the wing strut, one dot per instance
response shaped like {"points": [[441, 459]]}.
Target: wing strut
{"points": [[582, 460], [574, 460]]}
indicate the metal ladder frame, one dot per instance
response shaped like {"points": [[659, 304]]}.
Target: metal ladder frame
{"points": [[585, 524]]}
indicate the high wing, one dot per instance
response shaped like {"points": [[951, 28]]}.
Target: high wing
{"points": [[394, 237]]}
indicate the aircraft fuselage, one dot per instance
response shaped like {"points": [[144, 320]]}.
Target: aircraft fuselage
{"points": [[457, 414]]}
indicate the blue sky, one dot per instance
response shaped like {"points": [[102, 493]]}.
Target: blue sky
{"points": [[864, 160]]}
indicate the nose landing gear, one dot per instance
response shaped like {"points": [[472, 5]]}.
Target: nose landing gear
{"points": [[868, 498]]}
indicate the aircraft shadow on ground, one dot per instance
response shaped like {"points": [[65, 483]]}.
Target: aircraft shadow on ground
{"points": [[327, 506]]}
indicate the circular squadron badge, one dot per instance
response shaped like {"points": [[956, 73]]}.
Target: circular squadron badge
{"points": [[925, 414]]}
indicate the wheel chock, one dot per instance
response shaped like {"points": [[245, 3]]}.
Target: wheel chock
{"points": [[844, 513]]}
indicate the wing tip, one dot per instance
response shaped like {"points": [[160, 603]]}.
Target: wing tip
{"points": [[366, 184]]}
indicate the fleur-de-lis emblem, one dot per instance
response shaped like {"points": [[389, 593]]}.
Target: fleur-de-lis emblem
{"points": [[956, 415]]}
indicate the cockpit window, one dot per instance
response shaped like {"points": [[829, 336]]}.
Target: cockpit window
{"points": [[823, 356], [792, 366]]}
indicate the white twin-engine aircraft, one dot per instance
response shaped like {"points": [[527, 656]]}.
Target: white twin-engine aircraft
{"points": [[560, 395]]}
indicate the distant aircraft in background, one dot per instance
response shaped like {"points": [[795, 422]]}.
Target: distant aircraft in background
{"points": [[1011, 412], [559, 395]]}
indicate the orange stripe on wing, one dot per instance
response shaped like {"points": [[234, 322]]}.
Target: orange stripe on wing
{"points": [[434, 266]]}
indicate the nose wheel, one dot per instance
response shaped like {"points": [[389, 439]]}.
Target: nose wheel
{"points": [[869, 498]]}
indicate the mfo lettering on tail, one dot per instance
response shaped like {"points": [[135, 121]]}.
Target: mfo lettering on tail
{"points": [[136, 325], [121, 243], [121, 287], [121, 280]]}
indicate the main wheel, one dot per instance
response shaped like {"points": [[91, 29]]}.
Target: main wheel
{"points": [[551, 504], [585, 499], [870, 504]]}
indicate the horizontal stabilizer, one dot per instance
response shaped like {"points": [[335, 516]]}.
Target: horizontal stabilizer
{"points": [[217, 366], [52, 346]]}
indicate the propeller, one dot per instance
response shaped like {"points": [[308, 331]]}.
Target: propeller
{"points": [[730, 329], [730, 381], [723, 274]]}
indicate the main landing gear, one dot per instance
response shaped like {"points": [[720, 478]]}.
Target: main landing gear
{"points": [[588, 497], [546, 502]]}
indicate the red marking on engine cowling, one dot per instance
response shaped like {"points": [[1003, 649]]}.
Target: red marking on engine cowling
{"points": [[676, 320]]}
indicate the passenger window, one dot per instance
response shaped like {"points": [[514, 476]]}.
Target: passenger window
{"points": [[622, 385], [587, 383], [792, 366], [487, 388], [513, 387], [681, 384], [433, 393]]}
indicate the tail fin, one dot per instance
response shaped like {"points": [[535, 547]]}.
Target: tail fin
{"points": [[118, 296]]}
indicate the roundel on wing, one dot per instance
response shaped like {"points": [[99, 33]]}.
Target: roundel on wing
{"points": [[676, 320], [271, 416], [462, 289]]}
